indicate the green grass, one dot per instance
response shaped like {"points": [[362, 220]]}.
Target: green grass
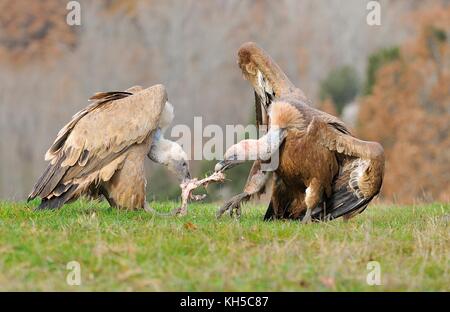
{"points": [[121, 250]]}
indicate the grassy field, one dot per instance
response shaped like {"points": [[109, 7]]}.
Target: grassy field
{"points": [[136, 251]]}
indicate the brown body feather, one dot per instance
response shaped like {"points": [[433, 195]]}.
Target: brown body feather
{"points": [[301, 179], [126, 188]]}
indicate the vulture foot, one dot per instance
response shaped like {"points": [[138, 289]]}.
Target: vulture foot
{"points": [[307, 218], [180, 212], [233, 206]]}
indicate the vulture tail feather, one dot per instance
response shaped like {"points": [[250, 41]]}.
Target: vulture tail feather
{"points": [[49, 179], [57, 202], [342, 202]]}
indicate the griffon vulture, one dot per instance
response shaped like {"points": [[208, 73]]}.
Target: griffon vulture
{"points": [[324, 172], [101, 151]]}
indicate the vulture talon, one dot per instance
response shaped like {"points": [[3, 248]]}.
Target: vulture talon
{"points": [[197, 197], [233, 206], [307, 218], [235, 211], [179, 212]]}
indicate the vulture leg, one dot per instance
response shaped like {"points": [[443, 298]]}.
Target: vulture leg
{"points": [[254, 185], [126, 189], [254, 170], [280, 202], [313, 195], [297, 207]]}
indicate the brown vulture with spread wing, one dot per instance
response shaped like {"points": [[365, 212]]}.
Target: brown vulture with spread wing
{"points": [[323, 173], [101, 151]]}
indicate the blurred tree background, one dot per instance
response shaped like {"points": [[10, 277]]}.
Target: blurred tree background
{"points": [[407, 109], [341, 87], [390, 83], [377, 60]]}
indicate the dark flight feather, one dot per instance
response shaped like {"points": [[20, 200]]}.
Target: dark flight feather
{"points": [[341, 202], [112, 95], [57, 202], [49, 179]]}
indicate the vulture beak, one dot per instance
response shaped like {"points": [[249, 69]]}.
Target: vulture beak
{"points": [[227, 164], [187, 177], [183, 171]]}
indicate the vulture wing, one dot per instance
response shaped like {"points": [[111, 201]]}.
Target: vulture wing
{"points": [[253, 59], [93, 145], [361, 172]]}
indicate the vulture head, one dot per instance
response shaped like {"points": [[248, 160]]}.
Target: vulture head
{"points": [[261, 149], [172, 155], [179, 163]]}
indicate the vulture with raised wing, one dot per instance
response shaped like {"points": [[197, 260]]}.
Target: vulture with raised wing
{"points": [[101, 151], [323, 172]]}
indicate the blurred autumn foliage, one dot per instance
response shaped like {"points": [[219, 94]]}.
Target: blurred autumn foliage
{"points": [[27, 33], [376, 61], [408, 111]]}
